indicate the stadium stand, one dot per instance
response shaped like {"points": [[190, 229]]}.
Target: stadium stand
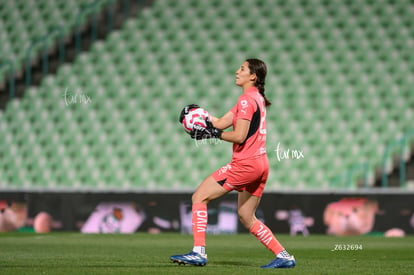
{"points": [[23, 22], [340, 78]]}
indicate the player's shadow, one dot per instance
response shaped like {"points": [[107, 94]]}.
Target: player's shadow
{"points": [[233, 263]]}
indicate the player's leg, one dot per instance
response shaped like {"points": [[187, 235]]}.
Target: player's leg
{"points": [[247, 205], [246, 208], [207, 191]]}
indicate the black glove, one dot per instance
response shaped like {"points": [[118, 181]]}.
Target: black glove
{"points": [[199, 132], [185, 111]]}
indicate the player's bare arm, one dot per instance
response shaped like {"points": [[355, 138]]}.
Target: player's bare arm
{"points": [[239, 134], [224, 122]]}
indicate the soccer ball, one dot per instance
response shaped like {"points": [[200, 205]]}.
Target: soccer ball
{"points": [[196, 116]]}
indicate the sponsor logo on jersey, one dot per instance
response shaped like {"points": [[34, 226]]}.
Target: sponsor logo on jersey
{"points": [[224, 169]]}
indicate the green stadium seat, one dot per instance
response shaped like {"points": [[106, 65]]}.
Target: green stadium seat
{"points": [[24, 21], [339, 79]]}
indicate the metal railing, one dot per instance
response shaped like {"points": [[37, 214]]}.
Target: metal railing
{"points": [[399, 145], [396, 148], [9, 63], [58, 32]]}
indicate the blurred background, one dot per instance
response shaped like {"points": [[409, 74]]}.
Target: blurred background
{"points": [[90, 93]]}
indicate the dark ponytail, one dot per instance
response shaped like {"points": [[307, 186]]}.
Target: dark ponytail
{"points": [[258, 67]]}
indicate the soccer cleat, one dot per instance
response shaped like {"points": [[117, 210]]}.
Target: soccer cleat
{"points": [[281, 263], [192, 258]]}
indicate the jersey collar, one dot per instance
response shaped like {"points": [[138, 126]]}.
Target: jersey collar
{"points": [[252, 90]]}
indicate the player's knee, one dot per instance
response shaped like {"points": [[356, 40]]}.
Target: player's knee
{"points": [[245, 218], [197, 198]]}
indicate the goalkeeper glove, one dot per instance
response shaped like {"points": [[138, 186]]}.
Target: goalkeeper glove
{"points": [[199, 132]]}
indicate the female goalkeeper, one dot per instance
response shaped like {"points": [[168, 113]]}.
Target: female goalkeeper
{"points": [[246, 173]]}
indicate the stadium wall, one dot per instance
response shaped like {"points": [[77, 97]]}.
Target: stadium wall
{"points": [[338, 213]]}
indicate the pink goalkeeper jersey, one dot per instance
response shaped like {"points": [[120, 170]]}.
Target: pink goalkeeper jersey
{"points": [[251, 106]]}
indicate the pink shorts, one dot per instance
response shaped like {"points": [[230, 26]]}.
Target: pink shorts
{"points": [[250, 175]]}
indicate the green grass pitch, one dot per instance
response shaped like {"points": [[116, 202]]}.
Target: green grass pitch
{"points": [[75, 253]]}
